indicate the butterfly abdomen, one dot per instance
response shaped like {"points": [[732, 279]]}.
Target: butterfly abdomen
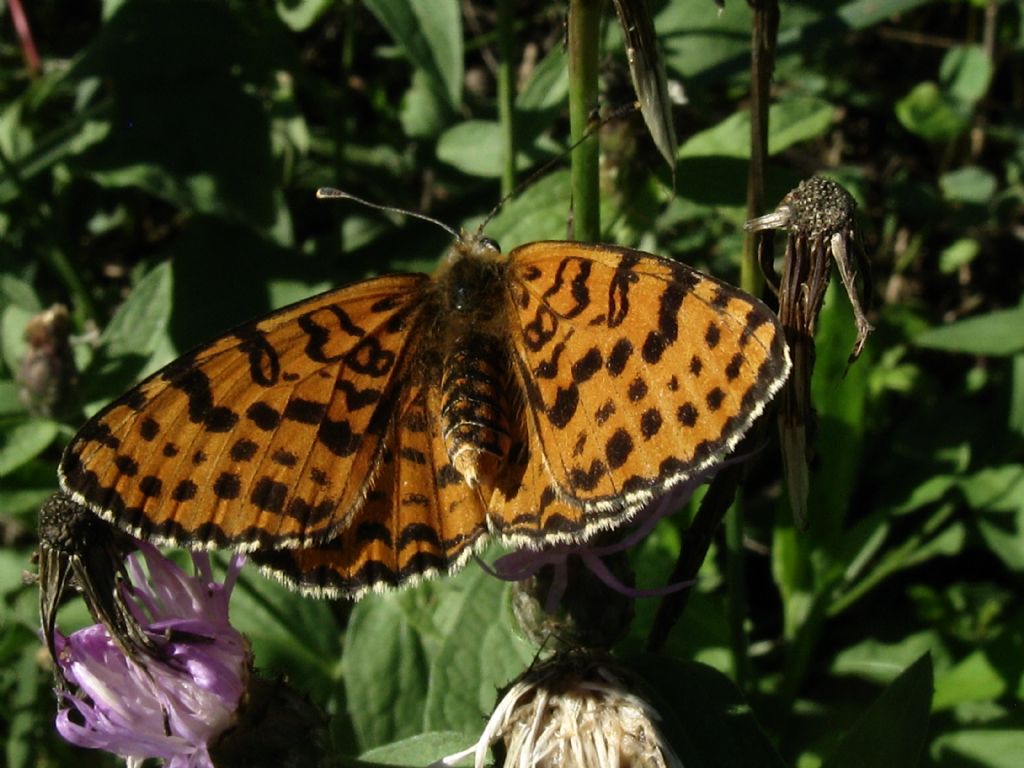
{"points": [[474, 408]]}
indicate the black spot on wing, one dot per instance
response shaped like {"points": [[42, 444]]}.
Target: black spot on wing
{"points": [[619, 356], [269, 495], [338, 437], [618, 448], [149, 429], [564, 408], [263, 416], [650, 423], [305, 411], [587, 480], [151, 485], [126, 465], [713, 335], [637, 390], [243, 450], [186, 490], [715, 398], [227, 486], [589, 364], [687, 414]]}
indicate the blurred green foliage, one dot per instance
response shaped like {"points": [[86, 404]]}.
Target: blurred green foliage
{"points": [[157, 178]]}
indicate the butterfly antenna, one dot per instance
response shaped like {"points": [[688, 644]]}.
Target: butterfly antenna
{"points": [[330, 193], [615, 114]]}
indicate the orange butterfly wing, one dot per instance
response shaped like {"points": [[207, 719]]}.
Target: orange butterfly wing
{"points": [[638, 372], [313, 437], [268, 435], [419, 518]]}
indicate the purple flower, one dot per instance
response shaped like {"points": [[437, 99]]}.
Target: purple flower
{"points": [[172, 707]]}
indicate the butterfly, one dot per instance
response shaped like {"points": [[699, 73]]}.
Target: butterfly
{"points": [[382, 431]]}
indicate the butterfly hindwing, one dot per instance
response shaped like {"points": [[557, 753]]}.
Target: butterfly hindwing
{"points": [[638, 372], [266, 435], [418, 518]]}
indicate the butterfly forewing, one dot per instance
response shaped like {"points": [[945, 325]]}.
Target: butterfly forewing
{"points": [[638, 372], [419, 516], [268, 435]]}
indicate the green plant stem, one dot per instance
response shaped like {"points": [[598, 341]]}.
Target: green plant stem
{"points": [[506, 96], [696, 542], [764, 36], [584, 33], [735, 582]]}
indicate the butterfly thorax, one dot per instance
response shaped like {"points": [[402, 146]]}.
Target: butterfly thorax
{"points": [[474, 367]]}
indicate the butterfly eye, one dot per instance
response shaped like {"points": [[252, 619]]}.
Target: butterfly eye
{"points": [[490, 244]]}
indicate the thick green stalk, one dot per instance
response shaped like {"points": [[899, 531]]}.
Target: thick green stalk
{"points": [[735, 581], [584, 33], [762, 61], [506, 96]]}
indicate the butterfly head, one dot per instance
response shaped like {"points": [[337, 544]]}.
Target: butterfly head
{"points": [[470, 272]]}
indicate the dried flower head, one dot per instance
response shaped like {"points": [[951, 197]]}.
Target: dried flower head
{"points": [[820, 217], [47, 376], [574, 711]]}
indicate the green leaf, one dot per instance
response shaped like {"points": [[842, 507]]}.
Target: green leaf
{"points": [[429, 32], [958, 254], [423, 113], [929, 491], [1005, 538], [995, 488], [423, 749], [966, 73], [697, 38], [537, 214], [991, 748], [892, 732], [479, 655], [704, 715], [474, 147], [973, 679], [1015, 421], [840, 395], [883, 662], [861, 14], [791, 122], [22, 439], [968, 185], [300, 15], [385, 671], [24, 502], [138, 327], [796, 120], [13, 320], [997, 333], [548, 86], [932, 114], [16, 291], [290, 634]]}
